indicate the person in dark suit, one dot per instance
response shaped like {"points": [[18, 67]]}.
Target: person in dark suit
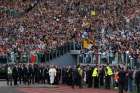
{"points": [[89, 77], [46, 74], [15, 74], [69, 76], [20, 73], [36, 73], [64, 75], [58, 75], [121, 81], [101, 76], [42, 74], [74, 77], [25, 74], [30, 74], [137, 80]]}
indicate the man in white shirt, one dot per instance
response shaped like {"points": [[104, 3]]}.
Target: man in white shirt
{"points": [[9, 75], [52, 74]]}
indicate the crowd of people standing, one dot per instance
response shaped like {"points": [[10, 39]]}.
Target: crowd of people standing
{"points": [[84, 76], [43, 24]]}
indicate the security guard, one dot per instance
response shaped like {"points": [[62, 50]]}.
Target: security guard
{"points": [[108, 74], [95, 76]]}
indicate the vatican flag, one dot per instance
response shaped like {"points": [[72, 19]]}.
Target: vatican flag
{"points": [[93, 13]]}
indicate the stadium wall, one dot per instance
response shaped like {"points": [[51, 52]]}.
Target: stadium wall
{"points": [[64, 60]]}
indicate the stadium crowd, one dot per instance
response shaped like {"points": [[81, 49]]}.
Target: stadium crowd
{"points": [[44, 23]]}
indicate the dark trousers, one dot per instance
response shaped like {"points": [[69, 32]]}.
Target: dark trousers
{"points": [[20, 79], [25, 80], [30, 80], [89, 82], [121, 87], [107, 82], [15, 80], [96, 82], [138, 87], [80, 82], [101, 81], [74, 83], [33, 79], [9, 80], [43, 81]]}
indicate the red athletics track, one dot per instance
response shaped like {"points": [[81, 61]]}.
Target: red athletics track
{"points": [[64, 89]]}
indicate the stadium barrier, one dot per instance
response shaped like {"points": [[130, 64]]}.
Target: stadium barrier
{"points": [[86, 58]]}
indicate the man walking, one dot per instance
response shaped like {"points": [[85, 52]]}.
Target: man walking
{"points": [[52, 74]]}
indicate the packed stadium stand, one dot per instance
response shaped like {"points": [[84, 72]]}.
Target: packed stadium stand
{"points": [[40, 30]]}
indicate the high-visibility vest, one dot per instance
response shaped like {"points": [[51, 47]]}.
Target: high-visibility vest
{"points": [[95, 73], [80, 71], [109, 71]]}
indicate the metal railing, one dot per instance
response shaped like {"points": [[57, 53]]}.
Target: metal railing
{"points": [[111, 58], [43, 56], [99, 57]]}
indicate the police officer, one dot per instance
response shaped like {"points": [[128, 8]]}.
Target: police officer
{"points": [[95, 76], [108, 75]]}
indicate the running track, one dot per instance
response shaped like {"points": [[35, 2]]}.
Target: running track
{"points": [[64, 89]]}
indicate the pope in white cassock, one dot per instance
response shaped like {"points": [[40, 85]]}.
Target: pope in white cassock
{"points": [[52, 74]]}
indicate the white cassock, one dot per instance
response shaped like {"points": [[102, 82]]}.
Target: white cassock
{"points": [[52, 74]]}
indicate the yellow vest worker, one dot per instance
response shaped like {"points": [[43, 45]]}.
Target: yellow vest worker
{"points": [[109, 71], [80, 71], [95, 77], [95, 72]]}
